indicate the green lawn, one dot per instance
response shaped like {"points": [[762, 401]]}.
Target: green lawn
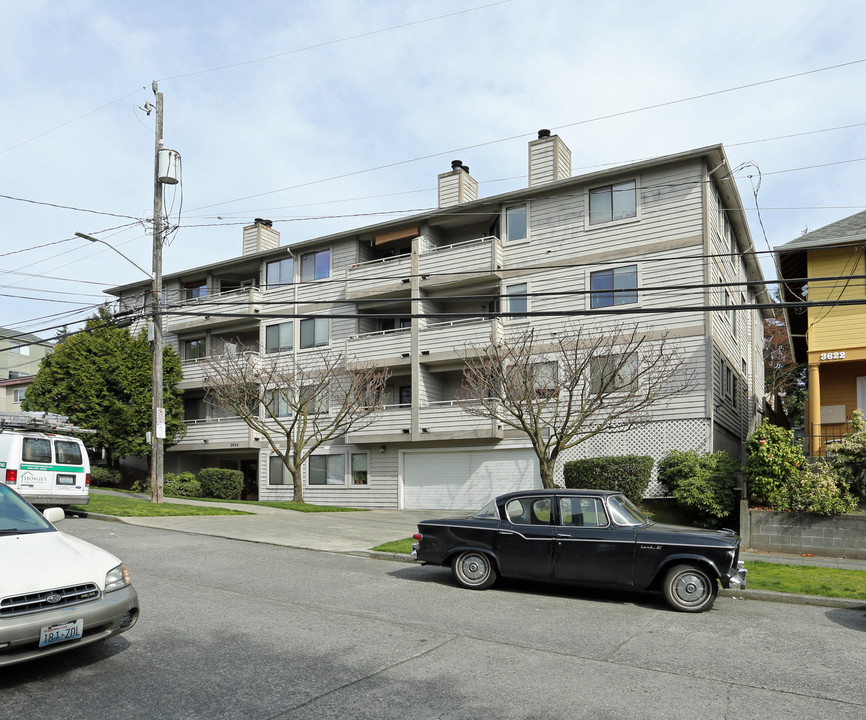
{"points": [[404, 547], [807, 580], [139, 507]]}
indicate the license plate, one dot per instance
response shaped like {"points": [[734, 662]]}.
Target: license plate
{"points": [[52, 634], [66, 479]]}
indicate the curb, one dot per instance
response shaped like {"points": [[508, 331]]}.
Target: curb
{"points": [[793, 599]]}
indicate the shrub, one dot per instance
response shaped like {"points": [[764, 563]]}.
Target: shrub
{"points": [[849, 455], [141, 486], [704, 484], [221, 483], [628, 474], [184, 485], [105, 477], [773, 458], [779, 476]]}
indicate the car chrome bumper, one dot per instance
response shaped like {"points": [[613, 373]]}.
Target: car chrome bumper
{"points": [[738, 579], [414, 551]]}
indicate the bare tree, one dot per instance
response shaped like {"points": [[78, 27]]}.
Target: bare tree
{"points": [[296, 406], [576, 384]]}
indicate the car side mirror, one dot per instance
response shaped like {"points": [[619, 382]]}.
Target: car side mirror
{"points": [[53, 514]]}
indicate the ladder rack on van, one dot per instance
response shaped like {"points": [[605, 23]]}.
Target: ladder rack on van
{"points": [[40, 422]]}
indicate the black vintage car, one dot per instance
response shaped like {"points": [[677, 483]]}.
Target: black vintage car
{"points": [[586, 537]]}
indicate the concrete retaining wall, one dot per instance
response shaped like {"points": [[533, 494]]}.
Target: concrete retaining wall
{"points": [[840, 536]]}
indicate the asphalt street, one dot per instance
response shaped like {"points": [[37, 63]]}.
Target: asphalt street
{"points": [[260, 631]]}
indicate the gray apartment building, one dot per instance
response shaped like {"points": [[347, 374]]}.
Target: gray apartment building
{"points": [[669, 234]]}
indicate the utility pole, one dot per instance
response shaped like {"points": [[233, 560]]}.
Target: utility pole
{"points": [[158, 420]]}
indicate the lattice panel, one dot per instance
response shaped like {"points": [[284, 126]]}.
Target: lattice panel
{"points": [[653, 439]]}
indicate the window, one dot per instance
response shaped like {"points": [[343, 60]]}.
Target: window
{"points": [[545, 376], [278, 404], [315, 332], [68, 453], [612, 373], [327, 470], [18, 394], [277, 473], [195, 290], [36, 450], [582, 512], [613, 202], [617, 286], [280, 272], [194, 349], [279, 338], [313, 399], [359, 469], [515, 223], [194, 409], [529, 511], [315, 265], [405, 393], [518, 302], [19, 349]]}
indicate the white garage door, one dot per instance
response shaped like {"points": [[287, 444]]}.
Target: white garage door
{"points": [[465, 479]]}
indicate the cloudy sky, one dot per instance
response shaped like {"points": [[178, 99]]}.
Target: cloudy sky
{"points": [[328, 115]]}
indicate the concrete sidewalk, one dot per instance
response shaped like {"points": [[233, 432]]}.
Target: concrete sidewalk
{"points": [[356, 533]]}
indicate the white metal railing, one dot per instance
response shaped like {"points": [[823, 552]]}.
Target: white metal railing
{"points": [[461, 257], [216, 429], [461, 244], [455, 334]]}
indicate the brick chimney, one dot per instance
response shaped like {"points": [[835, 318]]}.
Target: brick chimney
{"points": [[260, 236], [549, 159], [458, 186]]}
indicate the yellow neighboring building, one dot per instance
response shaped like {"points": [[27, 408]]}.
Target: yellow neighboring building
{"points": [[827, 267]]}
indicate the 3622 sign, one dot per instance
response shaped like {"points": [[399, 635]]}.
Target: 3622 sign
{"points": [[839, 355]]}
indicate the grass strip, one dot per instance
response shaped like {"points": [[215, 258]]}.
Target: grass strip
{"points": [[139, 507]]}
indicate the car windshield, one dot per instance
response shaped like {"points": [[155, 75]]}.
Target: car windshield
{"points": [[625, 512], [17, 516]]}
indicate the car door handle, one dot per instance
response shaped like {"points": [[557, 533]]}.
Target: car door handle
{"points": [[562, 535]]}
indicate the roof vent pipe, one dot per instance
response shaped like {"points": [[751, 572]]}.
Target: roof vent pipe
{"points": [[543, 134], [456, 164]]}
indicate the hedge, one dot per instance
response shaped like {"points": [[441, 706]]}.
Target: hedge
{"points": [[628, 474]]}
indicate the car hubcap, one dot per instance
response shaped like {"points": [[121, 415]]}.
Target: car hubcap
{"points": [[690, 588], [474, 569]]}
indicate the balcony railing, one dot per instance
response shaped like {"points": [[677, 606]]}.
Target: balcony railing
{"points": [[380, 345], [454, 335], [213, 310], [227, 430], [449, 416], [447, 264], [384, 273], [195, 369]]}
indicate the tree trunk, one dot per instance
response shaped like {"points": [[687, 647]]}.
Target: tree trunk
{"points": [[546, 466], [298, 497]]}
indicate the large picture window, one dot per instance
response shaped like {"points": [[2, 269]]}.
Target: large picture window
{"points": [[194, 349], [277, 473], [616, 286], [315, 265], [279, 338], [315, 332], [327, 470], [613, 202]]}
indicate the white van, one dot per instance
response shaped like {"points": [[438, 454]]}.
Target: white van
{"points": [[45, 468]]}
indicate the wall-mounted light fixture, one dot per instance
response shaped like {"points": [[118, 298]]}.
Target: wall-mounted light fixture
{"points": [[381, 448]]}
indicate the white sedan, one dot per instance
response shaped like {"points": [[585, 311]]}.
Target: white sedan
{"points": [[56, 592]]}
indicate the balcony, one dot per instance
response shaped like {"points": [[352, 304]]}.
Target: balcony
{"points": [[462, 263], [213, 311], [392, 425], [444, 341], [446, 420], [382, 277], [385, 348], [195, 370], [216, 434]]}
